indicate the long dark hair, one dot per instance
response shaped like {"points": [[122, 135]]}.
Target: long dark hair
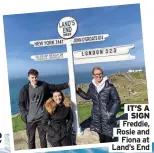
{"points": [[60, 93], [50, 104]]}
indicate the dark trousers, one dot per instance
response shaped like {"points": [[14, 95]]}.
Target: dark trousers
{"points": [[31, 129], [66, 141], [105, 138]]}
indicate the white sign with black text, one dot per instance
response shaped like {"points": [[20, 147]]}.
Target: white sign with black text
{"points": [[92, 55], [76, 40], [67, 27]]}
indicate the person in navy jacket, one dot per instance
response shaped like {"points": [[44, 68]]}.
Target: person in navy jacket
{"points": [[106, 104]]}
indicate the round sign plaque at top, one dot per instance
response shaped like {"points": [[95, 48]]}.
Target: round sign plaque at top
{"points": [[67, 27]]}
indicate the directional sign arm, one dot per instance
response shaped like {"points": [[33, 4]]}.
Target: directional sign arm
{"points": [[104, 59], [106, 54], [103, 52], [50, 42], [90, 38], [76, 40], [44, 57]]}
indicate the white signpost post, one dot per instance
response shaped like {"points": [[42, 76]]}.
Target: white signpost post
{"points": [[67, 28]]}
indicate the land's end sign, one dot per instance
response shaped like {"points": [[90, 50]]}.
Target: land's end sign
{"points": [[67, 27]]}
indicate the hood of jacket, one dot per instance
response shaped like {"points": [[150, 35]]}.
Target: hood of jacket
{"points": [[101, 85], [50, 105]]}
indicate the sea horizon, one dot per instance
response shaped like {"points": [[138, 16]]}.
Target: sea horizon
{"points": [[15, 84]]}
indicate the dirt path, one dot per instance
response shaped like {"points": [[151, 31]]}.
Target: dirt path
{"points": [[20, 139]]}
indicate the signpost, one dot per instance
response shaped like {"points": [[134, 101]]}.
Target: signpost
{"points": [[67, 28], [76, 40], [116, 52]]}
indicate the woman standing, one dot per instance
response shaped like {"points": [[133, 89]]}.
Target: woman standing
{"points": [[58, 120], [106, 104]]}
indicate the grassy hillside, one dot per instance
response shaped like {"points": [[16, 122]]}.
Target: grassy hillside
{"points": [[132, 87]]}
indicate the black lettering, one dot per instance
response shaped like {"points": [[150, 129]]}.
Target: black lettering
{"points": [[139, 107], [140, 115], [69, 23], [143, 132], [99, 37], [61, 54], [106, 51], [73, 22], [101, 51], [111, 50], [60, 26], [93, 52], [146, 140], [125, 132], [146, 108], [115, 50], [97, 51], [59, 41], [131, 107], [48, 42], [122, 147], [86, 53], [88, 39], [83, 39], [67, 34], [77, 40], [96, 38], [63, 24], [67, 30], [143, 147], [38, 43], [0, 137], [92, 38]]}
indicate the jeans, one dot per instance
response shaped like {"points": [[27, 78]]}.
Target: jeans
{"points": [[31, 130]]}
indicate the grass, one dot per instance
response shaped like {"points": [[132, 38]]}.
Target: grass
{"points": [[139, 75], [84, 111], [18, 124]]}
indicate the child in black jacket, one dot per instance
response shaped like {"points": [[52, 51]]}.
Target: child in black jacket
{"points": [[58, 119]]}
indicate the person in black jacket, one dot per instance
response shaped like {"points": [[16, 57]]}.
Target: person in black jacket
{"points": [[58, 119], [31, 104], [106, 104]]}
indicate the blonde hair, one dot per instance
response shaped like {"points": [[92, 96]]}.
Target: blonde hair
{"points": [[97, 68]]}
